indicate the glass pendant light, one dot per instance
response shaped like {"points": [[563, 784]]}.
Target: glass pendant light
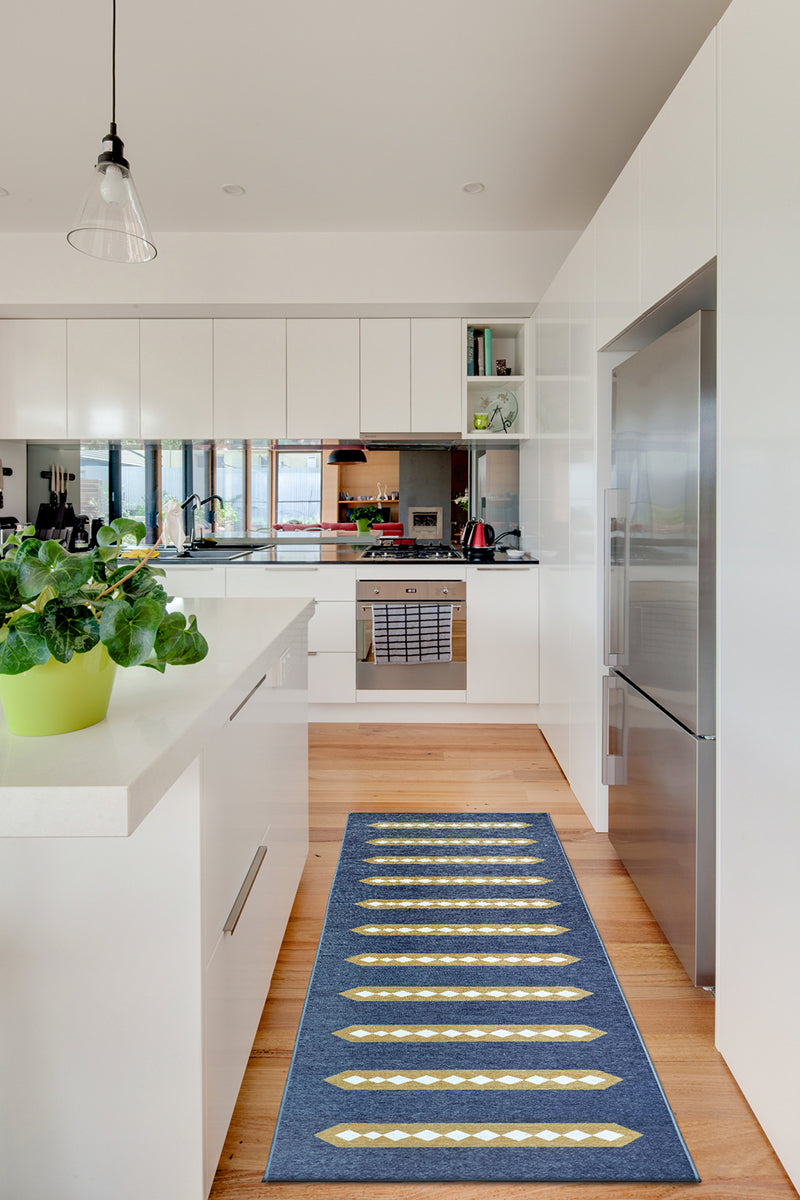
{"points": [[111, 224]]}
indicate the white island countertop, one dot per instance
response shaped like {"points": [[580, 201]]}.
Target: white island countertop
{"points": [[104, 780]]}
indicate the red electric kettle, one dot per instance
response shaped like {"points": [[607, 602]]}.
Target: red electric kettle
{"points": [[478, 541]]}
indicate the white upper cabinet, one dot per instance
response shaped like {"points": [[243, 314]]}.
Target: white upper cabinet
{"points": [[322, 378], [250, 378], [678, 181], [176, 382], [33, 379], [386, 376], [619, 254], [435, 375], [103, 379]]}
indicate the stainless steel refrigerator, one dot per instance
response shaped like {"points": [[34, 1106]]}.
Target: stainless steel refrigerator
{"points": [[660, 600]]}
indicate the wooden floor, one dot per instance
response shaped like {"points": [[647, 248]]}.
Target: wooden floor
{"points": [[480, 769]]}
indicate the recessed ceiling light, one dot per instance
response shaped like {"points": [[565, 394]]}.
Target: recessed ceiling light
{"points": [[473, 188], [233, 189]]}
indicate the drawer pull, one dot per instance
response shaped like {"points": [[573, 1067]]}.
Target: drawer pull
{"points": [[251, 693], [244, 890]]}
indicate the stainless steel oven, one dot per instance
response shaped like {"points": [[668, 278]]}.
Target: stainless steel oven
{"points": [[411, 635]]}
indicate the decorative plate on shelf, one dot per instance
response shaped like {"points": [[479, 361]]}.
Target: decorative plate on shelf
{"points": [[503, 410]]}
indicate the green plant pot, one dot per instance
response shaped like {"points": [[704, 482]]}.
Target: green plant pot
{"points": [[59, 697], [363, 524]]}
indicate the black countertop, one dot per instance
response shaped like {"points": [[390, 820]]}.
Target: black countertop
{"points": [[316, 555]]}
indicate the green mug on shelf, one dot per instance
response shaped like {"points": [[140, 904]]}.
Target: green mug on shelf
{"points": [[480, 420]]}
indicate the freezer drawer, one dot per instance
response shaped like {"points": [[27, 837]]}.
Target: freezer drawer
{"points": [[662, 821]]}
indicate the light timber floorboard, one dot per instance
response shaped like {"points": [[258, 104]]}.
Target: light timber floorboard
{"points": [[480, 769]]}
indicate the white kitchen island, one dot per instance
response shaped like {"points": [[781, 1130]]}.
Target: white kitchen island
{"points": [[141, 915]]}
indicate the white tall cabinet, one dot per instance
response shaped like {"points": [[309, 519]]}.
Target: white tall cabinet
{"points": [[642, 238], [758, 648]]}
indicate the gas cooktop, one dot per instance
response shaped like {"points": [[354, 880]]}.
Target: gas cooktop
{"points": [[407, 548]]}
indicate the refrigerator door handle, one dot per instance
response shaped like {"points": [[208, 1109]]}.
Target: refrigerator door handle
{"points": [[615, 736], [615, 576]]}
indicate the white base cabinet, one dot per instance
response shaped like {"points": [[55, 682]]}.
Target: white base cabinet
{"points": [[332, 629], [502, 634]]}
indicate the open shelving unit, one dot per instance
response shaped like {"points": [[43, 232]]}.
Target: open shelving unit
{"points": [[501, 398]]}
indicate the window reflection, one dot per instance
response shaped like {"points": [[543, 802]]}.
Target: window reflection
{"points": [[298, 488]]}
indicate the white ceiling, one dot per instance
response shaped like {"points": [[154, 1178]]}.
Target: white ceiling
{"points": [[355, 115]]}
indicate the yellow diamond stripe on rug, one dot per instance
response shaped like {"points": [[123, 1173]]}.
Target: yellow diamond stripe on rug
{"points": [[463, 960], [587, 1080], [450, 841], [469, 1033], [469, 902], [466, 993], [500, 860], [449, 825], [460, 930], [466, 1135], [451, 880]]}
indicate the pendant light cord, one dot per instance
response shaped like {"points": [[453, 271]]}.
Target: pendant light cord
{"points": [[114, 64]]}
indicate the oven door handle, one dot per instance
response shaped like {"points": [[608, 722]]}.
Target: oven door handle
{"points": [[366, 609]]}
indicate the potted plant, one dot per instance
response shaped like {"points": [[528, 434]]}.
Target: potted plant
{"points": [[365, 516], [68, 620]]}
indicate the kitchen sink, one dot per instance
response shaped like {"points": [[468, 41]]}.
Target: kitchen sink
{"points": [[208, 554]]}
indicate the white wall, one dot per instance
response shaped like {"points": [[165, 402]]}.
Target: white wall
{"points": [[263, 274], [759, 562], [15, 499]]}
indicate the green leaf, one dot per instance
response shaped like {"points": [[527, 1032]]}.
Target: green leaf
{"points": [[28, 549], [121, 527], [179, 644], [69, 629], [141, 583], [10, 594], [128, 631], [24, 647], [54, 567]]}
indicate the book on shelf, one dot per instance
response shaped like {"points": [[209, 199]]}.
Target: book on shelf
{"points": [[479, 351], [480, 368]]}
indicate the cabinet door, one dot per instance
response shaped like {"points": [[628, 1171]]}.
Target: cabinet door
{"points": [[103, 379], [33, 379], [503, 635], [188, 579], [386, 376], [176, 379], [678, 181], [435, 375], [322, 378], [331, 678], [250, 378], [619, 255]]}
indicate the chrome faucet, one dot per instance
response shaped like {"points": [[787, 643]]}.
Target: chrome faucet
{"points": [[192, 503], [210, 500]]}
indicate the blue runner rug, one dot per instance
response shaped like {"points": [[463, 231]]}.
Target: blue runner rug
{"points": [[463, 1021]]}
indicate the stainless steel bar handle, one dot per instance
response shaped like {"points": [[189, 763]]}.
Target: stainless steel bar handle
{"points": [[614, 767], [244, 890], [616, 559], [249, 696]]}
